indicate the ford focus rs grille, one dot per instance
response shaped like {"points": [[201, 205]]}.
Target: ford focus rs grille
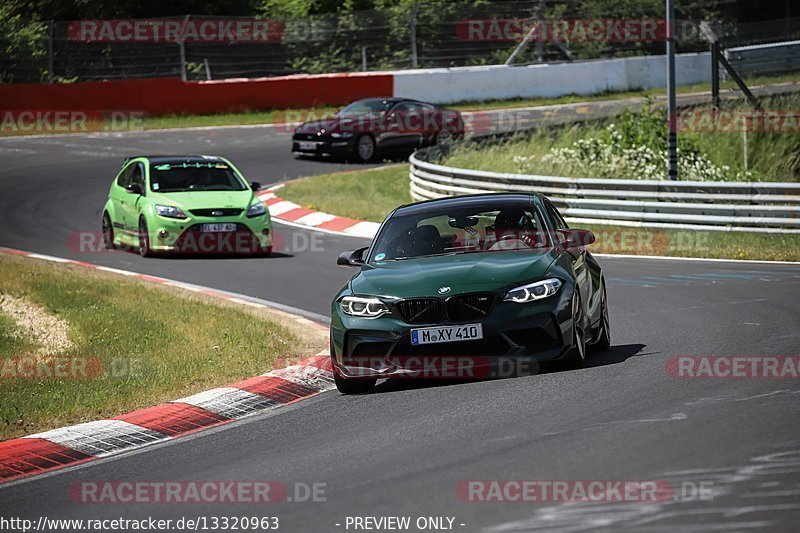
{"points": [[469, 306], [421, 310], [219, 212]]}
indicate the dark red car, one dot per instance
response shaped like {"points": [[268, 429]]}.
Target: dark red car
{"points": [[366, 127]]}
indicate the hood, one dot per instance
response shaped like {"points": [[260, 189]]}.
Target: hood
{"points": [[207, 199], [487, 271]]}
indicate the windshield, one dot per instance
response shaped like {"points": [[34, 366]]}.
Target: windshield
{"points": [[199, 176], [498, 228], [366, 107]]}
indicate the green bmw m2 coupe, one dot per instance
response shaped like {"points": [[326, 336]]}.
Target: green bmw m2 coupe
{"points": [[468, 287], [185, 204]]}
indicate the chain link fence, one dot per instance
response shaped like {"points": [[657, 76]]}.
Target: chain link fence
{"points": [[428, 34]]}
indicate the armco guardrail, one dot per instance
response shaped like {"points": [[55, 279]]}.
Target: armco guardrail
{"points": [[770, 58], [764, 207]]}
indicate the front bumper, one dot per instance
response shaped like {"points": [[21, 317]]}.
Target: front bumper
{"points": [[252, 235], [516, 338], [317, 145]]}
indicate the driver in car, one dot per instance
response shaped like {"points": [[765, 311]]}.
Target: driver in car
{"points": [[512, 229]]}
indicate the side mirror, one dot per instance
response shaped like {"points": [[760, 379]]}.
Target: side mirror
{"points": [[576, 238], [352, 257], [134, 188], [255, 185]]}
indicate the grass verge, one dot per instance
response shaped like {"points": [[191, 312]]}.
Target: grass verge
{"points": [[360, 194], [633, 146], [372, 194], [139, 344]]}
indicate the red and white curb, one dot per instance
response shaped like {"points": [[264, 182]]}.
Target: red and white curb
{"points": [[296, 215], [57, 448]]}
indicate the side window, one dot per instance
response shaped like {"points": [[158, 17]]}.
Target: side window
{"points": [[407, 107], [124, 177], [137, 176], [556, 217]]}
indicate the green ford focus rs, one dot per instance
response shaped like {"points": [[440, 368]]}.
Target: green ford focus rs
{"points": [[185, 204], [468, 287]]}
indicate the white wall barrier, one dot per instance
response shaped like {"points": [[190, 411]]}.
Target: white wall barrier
{"points": [[443, 86]]}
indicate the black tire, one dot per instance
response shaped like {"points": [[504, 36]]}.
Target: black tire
{"points": [[353, 386], [144, 239], [576, 356], [364, 148], [108, 232], [604, 339]]}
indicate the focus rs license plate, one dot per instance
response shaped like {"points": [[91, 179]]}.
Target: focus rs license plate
{"points": [[217, 228], [467, 332]]}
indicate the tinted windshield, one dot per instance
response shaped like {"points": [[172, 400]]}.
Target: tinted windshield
{"points": [[493, 228], [368, 106], [180, 177]]}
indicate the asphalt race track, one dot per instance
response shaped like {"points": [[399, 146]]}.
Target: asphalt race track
{"points": [[404, 450]]}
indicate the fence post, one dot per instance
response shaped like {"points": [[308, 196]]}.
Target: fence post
{"points": [[715, 74], [540, 41], [50, 59], [364, 58], [208, 69], [713, 46], [413, 32], [182, 47], [672, 133]]}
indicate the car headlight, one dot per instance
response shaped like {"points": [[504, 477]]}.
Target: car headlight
{"points": [[257, 209], [170, 211], [363, 307], [341, 135], [533, 291]]}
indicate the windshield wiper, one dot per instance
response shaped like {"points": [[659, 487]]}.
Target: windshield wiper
{"points": [[419, 256]]}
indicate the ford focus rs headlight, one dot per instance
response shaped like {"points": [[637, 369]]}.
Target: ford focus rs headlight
{"points": [[363, 307], [256, 210], [170, 211], [533, 291]]}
